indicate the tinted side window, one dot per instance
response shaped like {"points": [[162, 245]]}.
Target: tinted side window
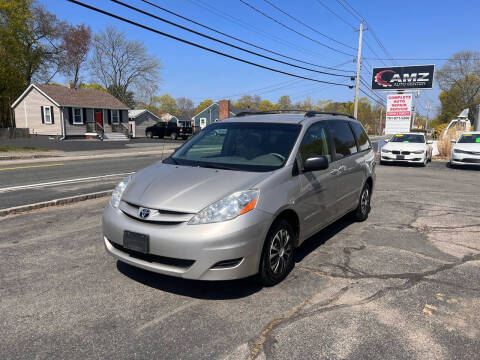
{"points": [[342, 138], [316, 142], [361, 135]]}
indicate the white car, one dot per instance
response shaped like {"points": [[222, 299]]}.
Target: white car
{"points": [[466, 150], [407, 147]]}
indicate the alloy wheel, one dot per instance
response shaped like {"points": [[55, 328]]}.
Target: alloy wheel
{"points": [[365, 200], [280, 251]]}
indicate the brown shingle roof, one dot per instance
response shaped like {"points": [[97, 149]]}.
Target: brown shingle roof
{"points": [[90, 98]]}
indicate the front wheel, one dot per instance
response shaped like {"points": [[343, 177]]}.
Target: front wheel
{"points": [[363, 208], [277, 254], [184, 137], [149, 134], [174, 136]]}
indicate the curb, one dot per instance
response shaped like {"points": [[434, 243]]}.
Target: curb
{"points": [[27, 157], [56, 202]]}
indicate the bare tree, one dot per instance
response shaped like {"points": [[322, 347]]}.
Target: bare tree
{"points": [[461, 73], [185, 108], [123, 64], [76, 45]]}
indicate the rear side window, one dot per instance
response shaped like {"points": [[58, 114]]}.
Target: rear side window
{"points": [[342, 138], [316, 142], [361, 135]]}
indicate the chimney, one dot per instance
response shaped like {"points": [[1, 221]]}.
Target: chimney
{"points": [[224, 109], [70, 85]]}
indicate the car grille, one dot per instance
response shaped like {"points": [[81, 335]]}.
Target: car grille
{"points": [[158, 216], [405, 152], [227, 263], [395, 152], [180, 263], [471, 161]]}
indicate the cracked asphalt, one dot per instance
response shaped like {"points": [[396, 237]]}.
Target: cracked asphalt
{"points": [[403, 284]]}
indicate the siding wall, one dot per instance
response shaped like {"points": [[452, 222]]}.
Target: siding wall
{"points": [[211, 114], [28, 114]]}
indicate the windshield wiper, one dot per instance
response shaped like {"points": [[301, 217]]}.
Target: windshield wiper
{"points": [[217, 166]]}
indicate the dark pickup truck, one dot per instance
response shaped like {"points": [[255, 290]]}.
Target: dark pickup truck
{"points": [[171, 129]]}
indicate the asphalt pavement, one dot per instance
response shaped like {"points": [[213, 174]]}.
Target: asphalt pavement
{"points": [[403, 284], [31, 183]]}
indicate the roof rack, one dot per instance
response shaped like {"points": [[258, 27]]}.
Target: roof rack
{"points": [[313, 113], [266, 112], [310, 113]]}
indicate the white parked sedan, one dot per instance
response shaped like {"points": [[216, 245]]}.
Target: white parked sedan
{"points": [[407, 147], [466, 150]]}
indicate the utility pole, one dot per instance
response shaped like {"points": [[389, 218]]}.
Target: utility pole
{"points": [[381, 119], [357, 79], [427, 107]]}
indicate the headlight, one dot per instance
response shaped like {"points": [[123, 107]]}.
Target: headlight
{"points": [[458, 151], [418, 152], [228, 208], [117, 193], [386, 150]]}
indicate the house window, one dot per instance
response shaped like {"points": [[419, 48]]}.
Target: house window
{"points": [[203, 122], [115, 116], [47, 114], [77, 116]]}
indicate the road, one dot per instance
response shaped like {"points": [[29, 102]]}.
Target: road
{"points": [[69, 178], [403, 284]]}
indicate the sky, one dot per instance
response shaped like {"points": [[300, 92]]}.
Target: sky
{"points": [[408, 29]]}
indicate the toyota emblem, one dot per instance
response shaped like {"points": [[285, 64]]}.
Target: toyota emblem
{"points": [[144, 213]]}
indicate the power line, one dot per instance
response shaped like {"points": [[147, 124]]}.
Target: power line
{"points": [[198, 45], [252, 28], [293, 30], [224, 42], [237, 39], [336, 15], [350, 11], [308, 26], [370, 97]]}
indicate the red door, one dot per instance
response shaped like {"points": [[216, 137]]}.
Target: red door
{"points": [[99, 117]]}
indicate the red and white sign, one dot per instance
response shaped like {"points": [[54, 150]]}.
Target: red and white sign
{"points": [[399, 113]]}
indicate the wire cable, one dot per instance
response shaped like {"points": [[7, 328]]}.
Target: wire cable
{"points": [[336, 15], [240, 40], [200, 46], [293, 30], [226, 43], [308, 26]]}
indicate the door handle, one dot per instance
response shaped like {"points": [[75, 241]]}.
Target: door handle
{"points": [[342, 168], [334, 172]]}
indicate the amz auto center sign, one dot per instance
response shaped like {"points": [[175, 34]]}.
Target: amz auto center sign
{"points": [[403, 77], [399, 113]]}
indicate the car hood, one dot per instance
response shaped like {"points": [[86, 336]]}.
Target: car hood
{"points": [[405, 146], [185, 188], [468, 147]]}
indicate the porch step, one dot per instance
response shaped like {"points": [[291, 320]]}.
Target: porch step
{"points": [[114, 136]]}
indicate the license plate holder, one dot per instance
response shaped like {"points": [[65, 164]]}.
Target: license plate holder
{"points": [[400, 157], [136, 242]]}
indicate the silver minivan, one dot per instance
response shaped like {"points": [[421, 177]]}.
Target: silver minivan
{"points": [[240, 196]]}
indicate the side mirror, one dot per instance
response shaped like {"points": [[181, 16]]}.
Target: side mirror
{"points": [[387, 140], [452, 141], [429, 142], [315, 163]]}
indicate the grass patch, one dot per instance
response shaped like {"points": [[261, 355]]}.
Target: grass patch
{"points": [[20, 149]]}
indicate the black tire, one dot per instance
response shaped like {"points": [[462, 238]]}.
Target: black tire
{"points": [[149, 134], [273, 269], [382, 162], [184, 137], [173, 136], [450, 165], [363, 208]]}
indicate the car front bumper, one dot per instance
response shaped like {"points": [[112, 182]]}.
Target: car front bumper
{"points": [[465, 159], [411, 158], [205, 245]]}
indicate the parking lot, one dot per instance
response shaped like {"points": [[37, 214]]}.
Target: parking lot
{"points": [[403, 284]]}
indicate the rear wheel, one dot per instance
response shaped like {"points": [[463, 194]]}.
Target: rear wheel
{"points": [[149, 134], [184, 137], [174, 136], [277, 254], [363, 208]]}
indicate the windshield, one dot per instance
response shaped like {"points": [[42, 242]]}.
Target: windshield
{"points": [[239, 146], [470, 138], [408, 138]]}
